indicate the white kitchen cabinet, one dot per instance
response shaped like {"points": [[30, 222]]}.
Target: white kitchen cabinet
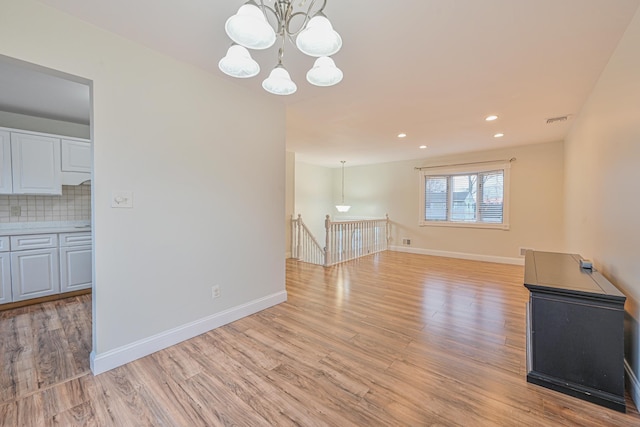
{"points": [[4, 244], [35, 164], [34, 241], [6, 181], [5, 271], [38, 265], [76, 155], [34, 273], [76, 161], [75, 261], [5, 278]]}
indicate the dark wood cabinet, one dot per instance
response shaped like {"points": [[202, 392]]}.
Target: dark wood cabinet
{"points": [[574, 329]]}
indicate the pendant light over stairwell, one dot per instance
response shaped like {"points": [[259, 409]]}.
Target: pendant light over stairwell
{"points": [[342, 207]]}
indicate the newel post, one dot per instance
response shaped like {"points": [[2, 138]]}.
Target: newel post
{"points": [[292, 238], [387, 230], [299, 237], [327, 240]]}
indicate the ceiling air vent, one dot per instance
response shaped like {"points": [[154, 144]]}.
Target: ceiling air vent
{"points": [[557, 119]]}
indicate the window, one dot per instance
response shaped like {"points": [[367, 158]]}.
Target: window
{"points": [[474, 195]]}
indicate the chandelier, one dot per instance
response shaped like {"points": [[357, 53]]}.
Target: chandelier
{"points": [[314, 35]]}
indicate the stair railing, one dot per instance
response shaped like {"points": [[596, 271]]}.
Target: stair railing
{"points": [[344, 240], [305, 247], [347, 240]]}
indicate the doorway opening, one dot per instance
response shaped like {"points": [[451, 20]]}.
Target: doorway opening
{"points": [[47, 300]]}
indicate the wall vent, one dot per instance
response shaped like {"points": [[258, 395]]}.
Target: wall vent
{"points": [[557, 119]]}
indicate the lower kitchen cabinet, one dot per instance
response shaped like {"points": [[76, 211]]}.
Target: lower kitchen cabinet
{"points": [[5, 278], [41, 265], [34, 273], [75, 268]]}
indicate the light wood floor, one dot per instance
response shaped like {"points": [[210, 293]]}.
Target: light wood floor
{"points": [[392, 339]]}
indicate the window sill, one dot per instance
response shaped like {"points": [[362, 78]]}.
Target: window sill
{"points": [[503, 227]]}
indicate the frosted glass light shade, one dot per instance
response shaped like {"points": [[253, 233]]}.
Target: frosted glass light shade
{"points": [[249, 28], [343, 208], [324, 72], [319, 38], [279, 82], [238, 63]]}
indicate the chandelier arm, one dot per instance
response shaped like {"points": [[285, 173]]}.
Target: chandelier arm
{"points": [[266, 8], [283, 10], [290, 38], [304, 23], [307, 17], [320, 9]]}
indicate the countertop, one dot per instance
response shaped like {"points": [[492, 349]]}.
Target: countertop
{"points": [[22, 228]]}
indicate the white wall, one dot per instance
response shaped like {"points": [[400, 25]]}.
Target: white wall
{"points": [[208, 191], [313, 196], [602, 176], [290, 191], [536, 204]]}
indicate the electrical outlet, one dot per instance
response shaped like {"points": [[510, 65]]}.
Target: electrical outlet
{"points": [[215, 292], [406, 242], [16, 210], [524, 250]]}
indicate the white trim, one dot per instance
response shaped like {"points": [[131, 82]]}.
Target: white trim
{"points": [[634, 384], [460, 255], [470, 168], [461, 224], [466, 168], [128, 353]]}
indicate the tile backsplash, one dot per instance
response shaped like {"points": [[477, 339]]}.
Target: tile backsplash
{"points": [[73, 205]]}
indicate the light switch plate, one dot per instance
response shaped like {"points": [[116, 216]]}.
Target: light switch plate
{"points": [[122, 199]]}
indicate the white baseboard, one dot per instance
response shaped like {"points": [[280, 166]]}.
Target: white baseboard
{"points": [[117, 357], [634, 384], [460, 255]]}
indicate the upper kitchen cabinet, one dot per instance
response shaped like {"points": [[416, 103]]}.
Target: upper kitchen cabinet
{"points": [[76, 161], [35, 162], [6, 182], [76, 155]]}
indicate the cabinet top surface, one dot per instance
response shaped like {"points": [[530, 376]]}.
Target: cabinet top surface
{"points": [[559, 272]]}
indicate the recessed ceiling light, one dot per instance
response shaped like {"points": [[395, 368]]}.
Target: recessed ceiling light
{"points": [[498, 135], [491, 118], [422, 147], [402, 135]]}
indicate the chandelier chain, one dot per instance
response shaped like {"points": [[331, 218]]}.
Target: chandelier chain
{"points": [[343, 162]]}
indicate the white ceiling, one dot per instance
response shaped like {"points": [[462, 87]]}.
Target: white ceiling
{"points": [[430, 68], [36, 91]]}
